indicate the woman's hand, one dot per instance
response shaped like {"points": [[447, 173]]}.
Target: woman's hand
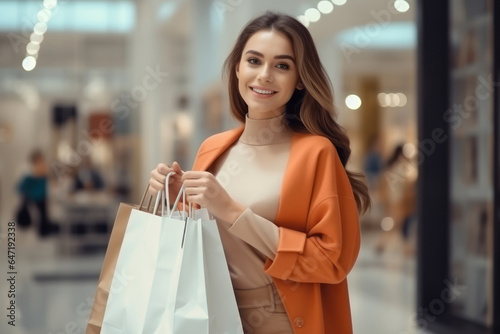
{"points": [[205, 190], [159, 175]]}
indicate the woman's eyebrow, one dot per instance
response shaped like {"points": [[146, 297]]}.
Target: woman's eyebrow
{"points": [[275, 57]]}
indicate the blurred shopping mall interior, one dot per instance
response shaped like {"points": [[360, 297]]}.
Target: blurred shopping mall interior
{"points": [[94, 94]]}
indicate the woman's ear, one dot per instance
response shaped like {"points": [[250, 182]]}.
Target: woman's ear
{"points": [[300, 85], [238, 70]]}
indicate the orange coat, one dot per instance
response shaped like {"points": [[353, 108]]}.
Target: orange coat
{"points": [[319, 232]]}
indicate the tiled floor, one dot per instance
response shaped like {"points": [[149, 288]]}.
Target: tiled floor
{"points": [[55, 293], [382, 291]]}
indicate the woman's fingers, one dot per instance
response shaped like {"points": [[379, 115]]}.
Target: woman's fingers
{"points": [[163, 168], [155, 186], [194, 197], [189, 175], [192, 183], [158, 176], [177, 168]]}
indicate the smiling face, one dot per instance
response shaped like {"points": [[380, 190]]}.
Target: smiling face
{"points": [[267, 74]]}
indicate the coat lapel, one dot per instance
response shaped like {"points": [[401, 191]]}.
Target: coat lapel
{"points": [[220, 143]]}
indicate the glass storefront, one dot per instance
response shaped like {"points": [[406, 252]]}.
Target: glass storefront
{"points": [[471, 152]]}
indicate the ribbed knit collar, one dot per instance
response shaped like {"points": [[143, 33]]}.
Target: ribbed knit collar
{"points": [[265, 131]]}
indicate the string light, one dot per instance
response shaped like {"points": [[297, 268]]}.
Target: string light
{"points": [[36, 38], [29, 63], [49, 4], [313, 15], [339, 2], [325, 7]]}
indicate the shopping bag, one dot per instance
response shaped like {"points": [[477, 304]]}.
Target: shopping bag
{"points": [[222, 307], [108, 268], [204, 298], [166, 277], [136, 264], [23, 215], [137, 261], [191, 304]]}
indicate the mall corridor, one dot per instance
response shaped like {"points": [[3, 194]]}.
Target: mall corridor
{"points": [[95, 94]]}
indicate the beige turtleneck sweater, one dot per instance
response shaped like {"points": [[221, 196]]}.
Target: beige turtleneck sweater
{"points": [[251, 171]]}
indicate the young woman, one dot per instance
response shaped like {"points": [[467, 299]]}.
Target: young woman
{"points": [[286, 207]]}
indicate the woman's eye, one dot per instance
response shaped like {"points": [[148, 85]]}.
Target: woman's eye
{"points": [[283, 66], [253, 61]]}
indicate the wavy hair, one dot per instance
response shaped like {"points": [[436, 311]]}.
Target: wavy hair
{"points": [[310, 110]]}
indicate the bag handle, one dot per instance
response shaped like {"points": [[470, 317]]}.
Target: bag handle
{"points": [[183, 191], [142, 205], [162, 193], [165, 192], [144, 197]]}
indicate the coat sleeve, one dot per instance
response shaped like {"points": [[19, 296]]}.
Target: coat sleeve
{"points": [[257, 231], [327, 250]]}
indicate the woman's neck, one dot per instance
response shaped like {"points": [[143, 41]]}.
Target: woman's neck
{"points": [[265, 131]]}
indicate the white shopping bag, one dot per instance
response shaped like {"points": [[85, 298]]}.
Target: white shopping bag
{"points": [[133, 279], [222, 307], [204, 301], [190, 305], [159, 313]]}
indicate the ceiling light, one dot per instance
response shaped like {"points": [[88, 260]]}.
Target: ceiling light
{"points": [[49, 4], [339, 2], [313, 14], [401, 6], [387, 224], [29, 63], [36, 39], [396, 100], [325, 7], [353, 102], [381, 97], [40, 28], [32, 48], [402, 99]]}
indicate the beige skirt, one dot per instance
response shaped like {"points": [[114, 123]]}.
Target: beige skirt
{"points": [[262, 311]]}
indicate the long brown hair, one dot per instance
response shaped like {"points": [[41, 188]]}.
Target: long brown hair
{"points": [[309, 110]]}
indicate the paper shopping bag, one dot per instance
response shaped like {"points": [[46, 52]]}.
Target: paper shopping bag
{"points": [[204, 298], [166, 277], [108, 268], [190, 306], [222, 307], [128, 303]]}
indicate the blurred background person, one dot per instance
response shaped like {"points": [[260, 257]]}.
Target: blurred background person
{"points": [[397, 196], [33, 190], [88, 177]]}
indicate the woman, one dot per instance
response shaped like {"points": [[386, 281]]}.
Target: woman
{"points": [[286, 208]]}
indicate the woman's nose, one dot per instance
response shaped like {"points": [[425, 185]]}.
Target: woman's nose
{"points": [[265, 74]]}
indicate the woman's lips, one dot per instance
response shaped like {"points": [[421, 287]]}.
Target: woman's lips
{"points": [[262, 95]]}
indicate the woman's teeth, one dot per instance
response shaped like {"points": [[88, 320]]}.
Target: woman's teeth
{"points": [[260, 91]]}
